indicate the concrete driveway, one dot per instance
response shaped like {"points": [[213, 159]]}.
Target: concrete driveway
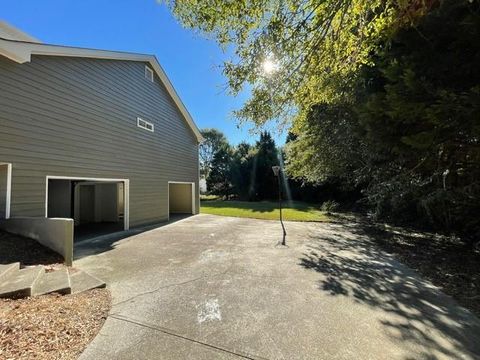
{"points": [[210, 287]]}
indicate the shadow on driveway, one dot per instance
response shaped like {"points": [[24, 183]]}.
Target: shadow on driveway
{"points": [[353, 266], [213, 287], [103, 243]]}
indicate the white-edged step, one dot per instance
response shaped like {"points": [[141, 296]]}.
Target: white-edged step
{"points": [[54, 281], [19, 283], [34, 281], [7, 269]]}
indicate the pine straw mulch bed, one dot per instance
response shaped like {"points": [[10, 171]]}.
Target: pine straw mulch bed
{"points": [[51, 326]]}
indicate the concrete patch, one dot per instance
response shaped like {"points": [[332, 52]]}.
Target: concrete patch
{"points": [[211, 254], [209, 311]]}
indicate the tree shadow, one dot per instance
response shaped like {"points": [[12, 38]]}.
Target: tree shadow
{"points": [[416, 312]]}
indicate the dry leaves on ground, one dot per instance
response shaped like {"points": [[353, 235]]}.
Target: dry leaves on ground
{"points": [[51, 326], [443, 260], [27, 251]]}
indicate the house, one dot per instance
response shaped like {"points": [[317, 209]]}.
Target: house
{"points": [[97, 136]]}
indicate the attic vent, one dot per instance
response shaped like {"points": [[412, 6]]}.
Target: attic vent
{"points": [[145, 124], [148, 73]]}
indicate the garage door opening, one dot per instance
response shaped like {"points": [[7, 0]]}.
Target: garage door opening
{"points": [[97, 206], [181, 198]]}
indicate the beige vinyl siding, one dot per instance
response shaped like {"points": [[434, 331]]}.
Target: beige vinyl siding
{"points": [[66, 116]]}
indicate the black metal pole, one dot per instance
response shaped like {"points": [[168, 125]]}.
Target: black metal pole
{"points": [[280, 206]]}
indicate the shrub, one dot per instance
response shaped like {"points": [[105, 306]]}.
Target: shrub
{"points": [[330, 206]]}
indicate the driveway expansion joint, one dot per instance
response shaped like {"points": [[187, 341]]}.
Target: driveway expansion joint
{"points": [[173, 333]]}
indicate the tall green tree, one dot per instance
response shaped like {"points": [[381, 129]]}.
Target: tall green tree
{"points": [[242, 171], [214, 141], [266, 156], [326, 145], [245, 171], [219, 180], [421, 112], [410, 128]]}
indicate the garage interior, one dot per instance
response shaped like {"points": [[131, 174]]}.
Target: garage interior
{"points": [[180, 198], [97, 207]]}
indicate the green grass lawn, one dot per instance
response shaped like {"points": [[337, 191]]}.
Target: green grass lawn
{"points": [[267, 210]]}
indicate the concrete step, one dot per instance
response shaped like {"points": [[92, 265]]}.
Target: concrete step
{"points": [[54, 281], [19, 283], [8, 268], [81, 281]]}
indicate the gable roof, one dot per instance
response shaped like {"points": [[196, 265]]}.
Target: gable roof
{"points": [[9, 32], [20, 47]]}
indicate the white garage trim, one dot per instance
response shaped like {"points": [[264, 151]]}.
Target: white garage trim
{"points": [[168, 195], [8, 195], [126, 189]]}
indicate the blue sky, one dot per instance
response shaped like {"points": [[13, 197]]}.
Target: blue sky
{"points": [[146, 26]]}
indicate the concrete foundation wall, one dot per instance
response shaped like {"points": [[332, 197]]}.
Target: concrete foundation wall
{"points": [[56, 234]]}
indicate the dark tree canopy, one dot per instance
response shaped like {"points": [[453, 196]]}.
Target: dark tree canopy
{"points": [[410, 132], [219, 179], [245, 171], [266, 156]]}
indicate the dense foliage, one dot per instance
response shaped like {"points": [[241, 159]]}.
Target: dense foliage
{"points": [[410, 134], [315, 43], [245, 172], [383, 96], [213, 141]]}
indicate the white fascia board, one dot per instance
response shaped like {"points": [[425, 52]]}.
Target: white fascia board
{"points": [[21, 52], [14, 51]]}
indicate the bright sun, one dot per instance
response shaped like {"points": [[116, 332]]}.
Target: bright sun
{"points": [[269, 66]]}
